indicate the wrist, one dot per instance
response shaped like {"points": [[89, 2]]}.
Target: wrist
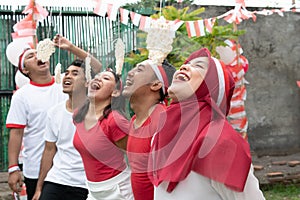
{"points": [[13, 168]]}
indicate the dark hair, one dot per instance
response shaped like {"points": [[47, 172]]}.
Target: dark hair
{"points": [[117, 103], [169, 70], [78, 63], [81, 63]]}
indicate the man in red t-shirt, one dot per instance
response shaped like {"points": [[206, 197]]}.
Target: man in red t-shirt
{"points": [[146, 88]]}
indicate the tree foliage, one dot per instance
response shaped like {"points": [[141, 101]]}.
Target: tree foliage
{"points": [[183, 45]]}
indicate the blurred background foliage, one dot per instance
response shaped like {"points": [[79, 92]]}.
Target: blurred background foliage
{"points": [[182, 45]]}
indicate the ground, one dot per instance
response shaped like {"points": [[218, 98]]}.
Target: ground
{"points": [[269, 170]]}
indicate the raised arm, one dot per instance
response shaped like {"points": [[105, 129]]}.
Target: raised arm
{"points": [[64, 43]]}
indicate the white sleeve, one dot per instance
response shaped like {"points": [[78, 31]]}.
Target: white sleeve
{"points": [[18, 111], [251, 190], [51, 130]]}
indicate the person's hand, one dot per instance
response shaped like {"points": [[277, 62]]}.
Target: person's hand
{"points": [[36, 195], [15, 181], [62, 42]]}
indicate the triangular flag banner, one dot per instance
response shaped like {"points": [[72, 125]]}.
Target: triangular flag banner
{"points": [[209, 23], [176, 24], [124, 16], [112, 11], [145, 22], [135, 18], [39, 12], [101, 8], [195, 28]]}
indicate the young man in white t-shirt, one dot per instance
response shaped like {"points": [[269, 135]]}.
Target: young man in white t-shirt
{"points": [[27, 113], [26, 119], [62, 174]]}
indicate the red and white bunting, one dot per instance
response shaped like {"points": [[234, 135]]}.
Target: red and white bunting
{"points": [[209, 23], [124, 16], [112, 11], [38, 11], [135, 18], [24, 25], [175, 25], [145, 23], [195, 28], [101, 8]]}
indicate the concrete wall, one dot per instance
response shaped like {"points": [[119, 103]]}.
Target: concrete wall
{"points": [[272, 46]]}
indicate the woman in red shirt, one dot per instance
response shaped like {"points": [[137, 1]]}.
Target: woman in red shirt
{"points": [[101, 133]]}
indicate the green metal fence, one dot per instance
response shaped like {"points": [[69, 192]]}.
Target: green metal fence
{"points": [[82, 27]]}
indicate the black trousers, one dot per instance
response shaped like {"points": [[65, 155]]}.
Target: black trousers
{"points": [[30, 187], [54, 191]]}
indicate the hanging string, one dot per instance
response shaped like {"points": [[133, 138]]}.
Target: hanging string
{"points": [[119, 27], [88, 67], [89, 30], [50, 23], [57, 70], [160, 7], [57, 28]]}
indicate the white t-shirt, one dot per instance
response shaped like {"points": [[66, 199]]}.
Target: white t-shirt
{"points": [[28, 110], [67, 166], [196, 187]]}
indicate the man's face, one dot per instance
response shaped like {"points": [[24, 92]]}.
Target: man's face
{"points": [[33, 66], [138, 79], [74, 80]]}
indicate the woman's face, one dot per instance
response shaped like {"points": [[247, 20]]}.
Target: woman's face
{"points": [[102, 86], [188, 78]]}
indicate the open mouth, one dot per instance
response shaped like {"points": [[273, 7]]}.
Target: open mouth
{"points": [[182, 77], [40, 62], [95, 86], [128, 82], [67, 83]]}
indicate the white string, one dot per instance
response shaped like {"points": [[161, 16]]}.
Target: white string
{"points": [[57, 29], [50, 23], [160, 5], [89, 35]]}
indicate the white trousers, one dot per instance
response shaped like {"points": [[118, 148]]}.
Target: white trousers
{"points": [[115, 188]]}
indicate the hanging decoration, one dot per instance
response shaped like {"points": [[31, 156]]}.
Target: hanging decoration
{"points": [[194, 28], [88, 59], [25, 29], [119, 55], [45, 49], [88, 68], [159, 39]]}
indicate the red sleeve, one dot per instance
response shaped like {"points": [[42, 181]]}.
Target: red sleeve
{"points": [[118, 126]]}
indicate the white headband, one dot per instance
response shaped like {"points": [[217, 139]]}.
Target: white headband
{"points": [[221, 81], [26, 52], [157, 73]]}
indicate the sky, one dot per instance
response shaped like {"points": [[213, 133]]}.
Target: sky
{"points": [[91, 3]]}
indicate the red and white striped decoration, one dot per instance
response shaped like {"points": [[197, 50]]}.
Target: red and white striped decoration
{"points": [[145, 23], [101, 8], [209, 23], [195, 28], [135, 18], [124, 16], [112, 11]]}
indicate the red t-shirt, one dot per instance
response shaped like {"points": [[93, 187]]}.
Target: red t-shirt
{"points": [[138, 148], [102, 159]]}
